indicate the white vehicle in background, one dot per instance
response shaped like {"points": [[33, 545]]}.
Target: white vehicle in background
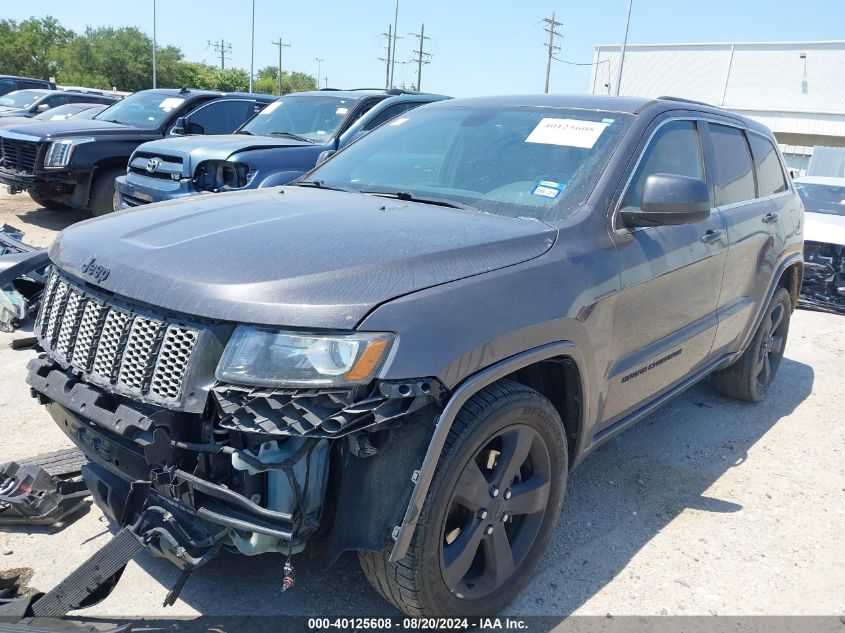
{"points": [[824, 242]]}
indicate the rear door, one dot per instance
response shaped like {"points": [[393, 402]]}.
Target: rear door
{"points": [[751, 191], [671, 276]]}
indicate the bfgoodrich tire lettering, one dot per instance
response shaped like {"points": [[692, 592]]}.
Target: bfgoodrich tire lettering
{"points": [[506, 429]]}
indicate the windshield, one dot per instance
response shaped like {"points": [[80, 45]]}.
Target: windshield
{"points": [[516, 161], [21, 98], [60, 113], [313, 117], [817, 198], [142, 109]]}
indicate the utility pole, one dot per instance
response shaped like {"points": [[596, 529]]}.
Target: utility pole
{"points": [[319, 61], [222, 48], [155, 77], [550, 29], [281, 45], [422, 57], [389, 36], [393, 52], [622, 52], [252, 49]]}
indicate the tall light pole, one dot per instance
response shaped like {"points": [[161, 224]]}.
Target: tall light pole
{"points": [[252, 49], [395, 33], [622, 52], [155, 77], [319, 61]]}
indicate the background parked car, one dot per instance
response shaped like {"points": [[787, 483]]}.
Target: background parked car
{"points": [[8, 83], [824, 243], [276, 146], [74, 163], [59, 113], [28, 103]]}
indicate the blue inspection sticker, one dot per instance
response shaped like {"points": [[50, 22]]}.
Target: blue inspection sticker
{"points": [[548, 189]]}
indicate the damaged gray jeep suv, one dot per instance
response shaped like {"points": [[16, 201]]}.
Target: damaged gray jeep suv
{"points": [[406, 352]]}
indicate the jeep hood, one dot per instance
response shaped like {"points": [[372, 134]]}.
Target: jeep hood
{"points": [[824, 228], [291, 256]]}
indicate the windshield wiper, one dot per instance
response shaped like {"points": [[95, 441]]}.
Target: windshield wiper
{"points": [[440, 202], [321, 184], [292, 135], [244, 132]]}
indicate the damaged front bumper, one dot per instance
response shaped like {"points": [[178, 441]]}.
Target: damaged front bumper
{"points": [[252, 471], [22, 269], [823, 287]]}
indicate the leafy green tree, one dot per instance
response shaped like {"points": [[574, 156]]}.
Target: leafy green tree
{"points": [[268, 81], [233, 80], [30, 48]]}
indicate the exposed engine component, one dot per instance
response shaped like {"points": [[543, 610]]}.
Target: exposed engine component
{"points": [[217, 175], [824, 278]]}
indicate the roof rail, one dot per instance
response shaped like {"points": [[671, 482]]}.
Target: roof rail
{"points": [[682, 100]]}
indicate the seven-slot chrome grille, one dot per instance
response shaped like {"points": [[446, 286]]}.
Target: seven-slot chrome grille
{"points": [[132, 353]]}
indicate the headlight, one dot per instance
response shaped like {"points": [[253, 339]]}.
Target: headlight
{"points": [[213, 175], [269, 358], [60, 152]]}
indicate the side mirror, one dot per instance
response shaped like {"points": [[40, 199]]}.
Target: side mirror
{"points": [[324, 156], [42, 108], [178, 128], [669, 199]]}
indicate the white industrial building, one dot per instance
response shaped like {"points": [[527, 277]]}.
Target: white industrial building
{"points": [[795, 88]]}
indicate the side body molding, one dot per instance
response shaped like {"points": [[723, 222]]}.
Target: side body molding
{"points": [[462, 394]]}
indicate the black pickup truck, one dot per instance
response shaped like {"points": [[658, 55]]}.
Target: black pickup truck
{"points": [[74, 163]]}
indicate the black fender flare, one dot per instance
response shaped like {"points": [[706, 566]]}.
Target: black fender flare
{"points": [[786, 262], [402, 534]]}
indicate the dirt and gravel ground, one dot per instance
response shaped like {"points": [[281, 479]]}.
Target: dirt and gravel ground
{"points": [[708, 507]]}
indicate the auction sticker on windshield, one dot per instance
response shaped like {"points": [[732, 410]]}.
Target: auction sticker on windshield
{"points": [[271, 107], [569, 132], [171, 102]]}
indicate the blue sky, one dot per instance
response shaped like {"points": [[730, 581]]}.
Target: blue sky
{"points": [[489, 47]]}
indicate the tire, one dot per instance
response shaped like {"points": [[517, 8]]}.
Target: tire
{"points": [[750, 377], [452, 531], [47, 203], [102, 199]]}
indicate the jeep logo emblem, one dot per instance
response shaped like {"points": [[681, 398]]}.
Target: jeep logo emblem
{"points": [[153, 165], [100, 273]]}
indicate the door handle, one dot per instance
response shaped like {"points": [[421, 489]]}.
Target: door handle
{"points": [[711, 236], [770, 218]]}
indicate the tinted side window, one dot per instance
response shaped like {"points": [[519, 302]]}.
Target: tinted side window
{"points": [[219, 117], [734, 171], [770, 178], [675, 148], [389, 113]]}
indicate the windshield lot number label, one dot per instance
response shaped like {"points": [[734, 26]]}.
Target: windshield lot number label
{"points": [[569, 132]]}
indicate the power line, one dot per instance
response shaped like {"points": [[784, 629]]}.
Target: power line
{"points": [[421, 56], [281, 46], [550, 29], [223, 49]]}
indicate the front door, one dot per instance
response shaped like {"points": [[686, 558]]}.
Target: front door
{"points": [[665, 319]]}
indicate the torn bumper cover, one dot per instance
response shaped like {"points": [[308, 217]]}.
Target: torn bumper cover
{"points": [[249, 472], [823, 288], [44, 490], [22, 279]]}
